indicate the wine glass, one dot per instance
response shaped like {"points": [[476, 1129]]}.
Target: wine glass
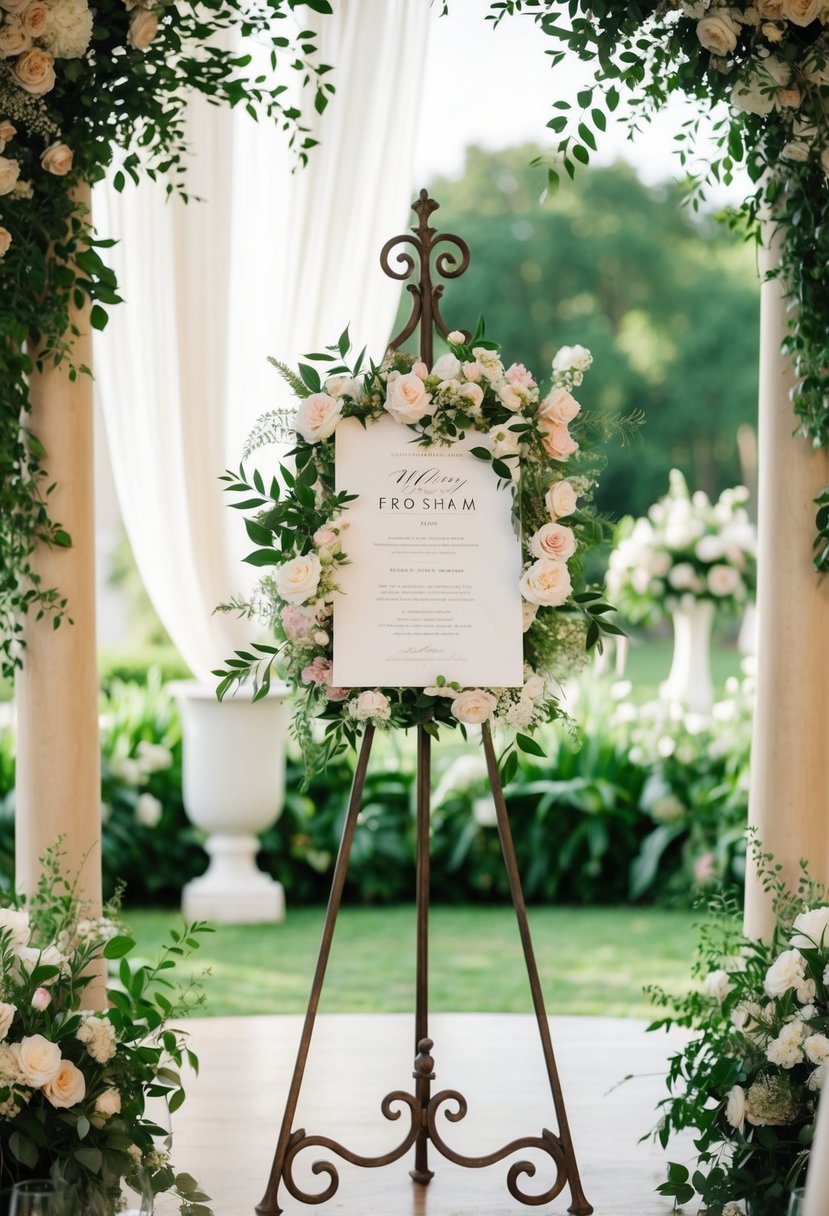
{"points": [[138, 1193], [795, 1207], [37, 1197]]}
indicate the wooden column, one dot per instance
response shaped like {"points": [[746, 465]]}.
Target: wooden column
{"points": [[789, 796], [58, 757]]}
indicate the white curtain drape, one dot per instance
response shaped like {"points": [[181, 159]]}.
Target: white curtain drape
{"points": [[274, 262]]}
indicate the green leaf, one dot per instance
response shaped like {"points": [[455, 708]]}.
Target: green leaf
{"points": [[23, 1149], [89, 1156], [98, 317], [529, 745], [117, 947], [264, 557], [310, 377]]}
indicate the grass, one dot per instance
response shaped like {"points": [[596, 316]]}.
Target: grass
{"points": [[649, 661], [591, 960]]}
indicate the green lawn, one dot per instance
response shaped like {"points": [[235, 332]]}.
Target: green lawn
{"points": [[592, 961], [649, 661]]}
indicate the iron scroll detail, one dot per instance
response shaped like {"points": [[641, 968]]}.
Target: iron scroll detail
{"points": [[448, 264]]}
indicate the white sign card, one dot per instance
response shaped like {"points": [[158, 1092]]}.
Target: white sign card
{"points": [[431, 587]]}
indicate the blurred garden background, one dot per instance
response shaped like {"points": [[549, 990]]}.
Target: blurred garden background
{"points": [[638, 808]]}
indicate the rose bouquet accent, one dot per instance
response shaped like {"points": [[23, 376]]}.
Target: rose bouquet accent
{"points": [[538, 447], [686, 549], [74, 1081], [748, 1081]]}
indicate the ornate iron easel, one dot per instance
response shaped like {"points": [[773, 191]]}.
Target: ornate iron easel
{"points": [[423, 1106]]}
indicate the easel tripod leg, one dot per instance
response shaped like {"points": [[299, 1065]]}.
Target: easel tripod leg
{"points": [[423, 1077], [579, 1205], [268, 1205]]}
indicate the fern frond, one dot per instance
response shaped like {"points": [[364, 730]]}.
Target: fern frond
{"points": [[273, 427]]}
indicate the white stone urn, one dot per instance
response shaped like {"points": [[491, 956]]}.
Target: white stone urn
{"points": [[689, 681], [233, 756]]}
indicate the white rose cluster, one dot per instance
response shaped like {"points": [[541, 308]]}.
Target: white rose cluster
{"points": [[686, 546]]}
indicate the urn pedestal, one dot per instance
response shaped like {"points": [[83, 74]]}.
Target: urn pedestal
{"points": [[233, 787], [689, 681]]}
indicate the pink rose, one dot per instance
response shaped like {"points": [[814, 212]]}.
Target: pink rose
{"points": [[297, 622], [57, 159], [559, 406], [560, 499], [318, 672], [553, 540], [557, 441], [420, 369], [406, 398], [34, 71], [546, 582], [317, 417], [518, 375], [324, 538], [336, 694], [473, 371], [41, 999], [474, 706]]}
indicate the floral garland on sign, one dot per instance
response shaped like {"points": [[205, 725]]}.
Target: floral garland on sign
{"points": [[685, 548], [762, 68], [539, 449], [78, 82]]}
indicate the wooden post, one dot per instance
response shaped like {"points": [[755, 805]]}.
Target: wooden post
{"points": [[58, 756], [789, 796]]}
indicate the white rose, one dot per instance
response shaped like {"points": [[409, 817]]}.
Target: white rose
{"points": [[787, 971], [15, 923], [785, 1050], [718, 33], [553, 540], [456, 338], [510, 398], [9, 173], [297, 580], [57, 159], [708, 548], [14, 38], [570, 358], [546, 582], [560, 500], [153, 757], [67, 1087], [143, 28], [371, 704], [447, 367], [7, 1013], [148, 810], [39, 1060], [816, 1047], [810, 928], [31, 957], [108, 1103], [344, 386], [473, 393], [70, 29], [682, 576], [473, 706], [317, 417], [34, 71], [735, 1108], [796, 150], [723, 580], [717, 985], [406, 398]]}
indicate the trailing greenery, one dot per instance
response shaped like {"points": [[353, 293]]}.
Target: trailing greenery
{"points": [[79, 87], [760, 70]]}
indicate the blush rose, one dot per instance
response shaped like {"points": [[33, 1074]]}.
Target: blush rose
{"points": [[317, 417], [406, 398]]}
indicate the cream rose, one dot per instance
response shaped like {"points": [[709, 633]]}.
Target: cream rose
{"points": [[456, 338], [447, 367], [14, 921], [572, 358], [108, 1103], [57, 159], [297, 580], [36, 19], [7, 131], [406, 398], [344, 386], [776, 9], [735, 1107], [473, 393], [317, 417], [143, 28], [803, 12], [34, 71], [553, 540], [559, 406], [67, 1087], [14, 38], [473, 371], [560, 499], [796, 150], [13, 6], [557, 441], [717, 984], [811, 928], [371, 704], [723, 580], [39, 1060], [528, 614], [473, 706], [9, 173], [546, 582], [718, 33], [509, 398], [7, 1013]]}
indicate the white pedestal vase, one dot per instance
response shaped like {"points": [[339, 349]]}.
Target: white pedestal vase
{"points": [[233, 787], [689, 681]]}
